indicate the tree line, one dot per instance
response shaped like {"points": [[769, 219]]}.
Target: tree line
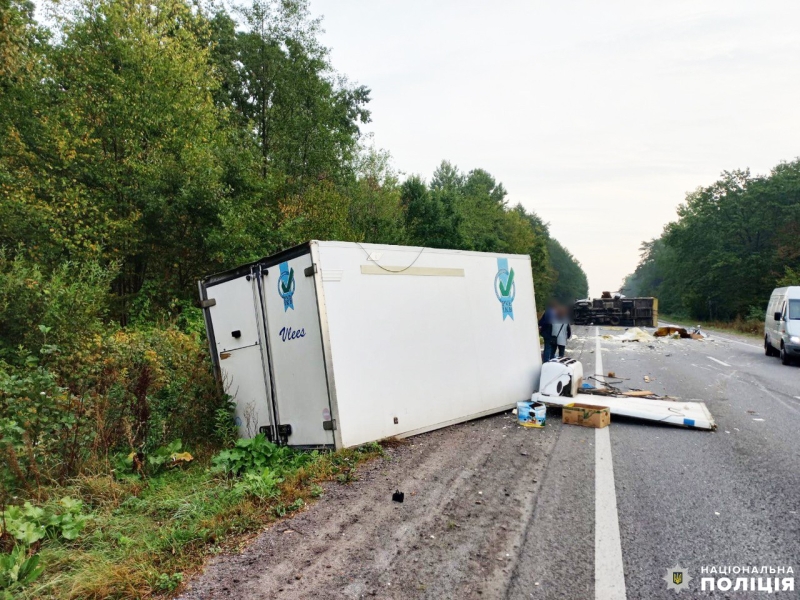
{"points": [[167, 140], [144, 145], [733, 242]]}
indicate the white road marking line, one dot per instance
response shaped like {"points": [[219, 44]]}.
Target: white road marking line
{"points": [[609, 572], [727, 339], [718, 361]]}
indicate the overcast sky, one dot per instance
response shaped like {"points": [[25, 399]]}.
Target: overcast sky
{"points": [[599, 116]]}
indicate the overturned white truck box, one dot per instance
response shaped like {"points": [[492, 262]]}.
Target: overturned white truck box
{"points": [[334, 344]]}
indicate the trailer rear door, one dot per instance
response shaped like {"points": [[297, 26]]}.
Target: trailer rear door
{"points": [[235, 318], [298, 366]]}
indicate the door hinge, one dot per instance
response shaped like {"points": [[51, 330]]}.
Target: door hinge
{"points": [[329, 425], [208, 303], [309, 271], [284, 431], [267, 431]]}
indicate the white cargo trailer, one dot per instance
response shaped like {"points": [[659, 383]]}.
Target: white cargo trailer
{"points": [[334, 344]]}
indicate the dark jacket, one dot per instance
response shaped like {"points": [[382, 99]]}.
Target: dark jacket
{"points": [[546, 324]]}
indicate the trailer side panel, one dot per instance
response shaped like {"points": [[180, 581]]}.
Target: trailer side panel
{"points": [[421, 338]]}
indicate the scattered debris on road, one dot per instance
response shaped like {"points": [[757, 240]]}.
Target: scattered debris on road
{"points": [[639, 404], [680, 332], [687, 414], [610, 390], [671, 331], [398, 496], [586, 415], [531, 414], [634, 334]]}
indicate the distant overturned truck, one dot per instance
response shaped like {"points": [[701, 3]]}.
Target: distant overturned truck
{"points": [[616, 309]]}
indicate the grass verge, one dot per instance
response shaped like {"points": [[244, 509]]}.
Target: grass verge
{"points": [[145, 537]]}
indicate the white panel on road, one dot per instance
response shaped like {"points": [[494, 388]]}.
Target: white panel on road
{"points": [[687, 414]]}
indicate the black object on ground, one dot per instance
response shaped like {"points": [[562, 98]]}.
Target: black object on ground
{"points": [[398, 496]]}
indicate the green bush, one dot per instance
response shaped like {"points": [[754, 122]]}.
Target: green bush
{"points": [[76, 389], [256, 454], [17, 570], [28, 524], [168, 583], [226, 431], [756, 313], [58, 307], [42, 431], [262, 485]]}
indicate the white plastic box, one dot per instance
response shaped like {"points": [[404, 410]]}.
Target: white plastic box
{"points": [[334, 344]]}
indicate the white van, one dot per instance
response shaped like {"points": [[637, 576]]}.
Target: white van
{"points": [[782, 324]]}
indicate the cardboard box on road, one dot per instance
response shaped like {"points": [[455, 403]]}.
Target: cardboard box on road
{"points": [[586, 415]]}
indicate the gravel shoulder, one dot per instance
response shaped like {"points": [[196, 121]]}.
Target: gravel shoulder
{"points": [[470, 495]]}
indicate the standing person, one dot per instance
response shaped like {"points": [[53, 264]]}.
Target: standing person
{"points": [[546, 331], [561, 332]]}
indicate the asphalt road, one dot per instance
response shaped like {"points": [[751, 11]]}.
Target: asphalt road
{"points": [[494, 510], [730, 498]]}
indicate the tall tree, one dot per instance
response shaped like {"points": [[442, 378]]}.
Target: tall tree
{"points": [[570, 281], [731, 244], [135, 95], [470, 212], [430, 220], [279, 80]]}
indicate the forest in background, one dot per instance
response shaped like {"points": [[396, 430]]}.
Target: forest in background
{"points": [[734, 241], [144, 145], [167, 141]]}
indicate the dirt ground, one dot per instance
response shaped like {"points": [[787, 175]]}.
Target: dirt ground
{"points": [[470, 492]]}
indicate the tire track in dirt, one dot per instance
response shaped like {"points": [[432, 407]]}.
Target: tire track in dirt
{"points": [[470, 491]]}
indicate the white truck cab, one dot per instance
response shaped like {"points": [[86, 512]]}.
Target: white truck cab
{"points": [[782, 324]]}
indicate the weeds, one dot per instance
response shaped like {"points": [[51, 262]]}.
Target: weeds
{"points": [[98, 496], [262, 485], [225, 430], [256, 454], [17, 570], [29, 524], [145, 536], [168, 583]]}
